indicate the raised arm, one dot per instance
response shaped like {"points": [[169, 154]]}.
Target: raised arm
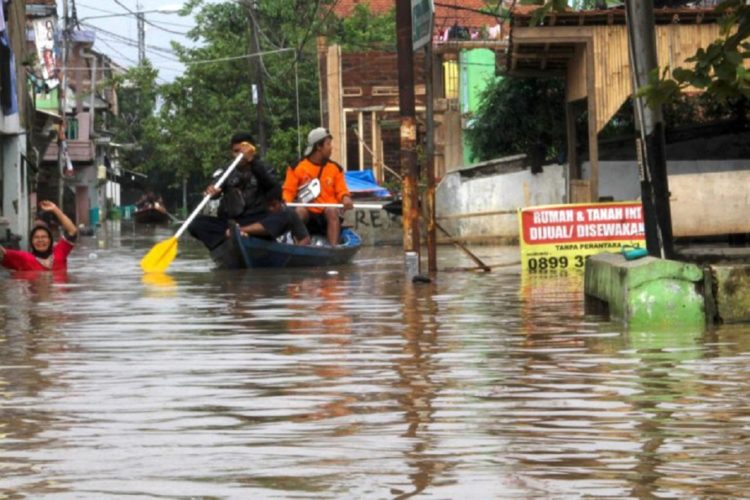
{"points": [[66, 223]]}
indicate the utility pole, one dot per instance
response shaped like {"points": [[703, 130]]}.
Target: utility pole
{"points": [[141, 34], [409, 166], [651, 144], [61, 143], [258, 73]]}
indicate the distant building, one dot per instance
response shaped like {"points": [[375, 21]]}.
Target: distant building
{"points": [[83, 174], [16, 118], [359, 91]]}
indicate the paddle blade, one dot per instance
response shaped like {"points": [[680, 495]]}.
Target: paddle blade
{"points": [[158, 259]]}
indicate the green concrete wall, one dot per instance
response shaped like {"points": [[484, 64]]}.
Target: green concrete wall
{"points": [[476, 69], [648, 293]]}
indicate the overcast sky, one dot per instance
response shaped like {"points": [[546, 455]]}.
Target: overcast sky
{"points": [[117, 36]]}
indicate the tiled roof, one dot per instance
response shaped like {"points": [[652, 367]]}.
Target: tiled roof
{"points": [[447, 12]]}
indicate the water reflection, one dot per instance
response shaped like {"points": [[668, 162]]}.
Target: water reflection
{"points": [[352, 382]]}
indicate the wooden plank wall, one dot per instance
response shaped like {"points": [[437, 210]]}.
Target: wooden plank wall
{"points": [[675, 43], [336, 118]]}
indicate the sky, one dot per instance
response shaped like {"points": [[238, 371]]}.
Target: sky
{"points": [[117, 36]]}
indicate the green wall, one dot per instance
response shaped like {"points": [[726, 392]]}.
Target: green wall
{"points": [[476, 69]]}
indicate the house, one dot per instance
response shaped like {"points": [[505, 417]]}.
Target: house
{"points": [[590, 51], [76, 167], [359, 91], [15, 119]]}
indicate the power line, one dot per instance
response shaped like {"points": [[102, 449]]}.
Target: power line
{"points": [[130, 41]]}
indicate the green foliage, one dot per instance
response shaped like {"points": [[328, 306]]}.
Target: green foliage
{"points": [[517, 115], [363, 30], [137, 94], [188, 134], [718, 69]]}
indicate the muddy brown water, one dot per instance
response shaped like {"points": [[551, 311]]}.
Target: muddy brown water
{"points": [[353, 383]]}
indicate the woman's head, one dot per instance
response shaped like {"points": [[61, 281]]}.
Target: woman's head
{"points": [[40, 240]]}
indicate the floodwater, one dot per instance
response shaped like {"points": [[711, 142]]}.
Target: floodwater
{"points": [[353, 384]]}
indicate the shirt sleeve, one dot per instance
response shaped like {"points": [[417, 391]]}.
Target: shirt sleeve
{"points": [[341, 188], [291, 184], [63, 248], [18, 260], [265, 175]]}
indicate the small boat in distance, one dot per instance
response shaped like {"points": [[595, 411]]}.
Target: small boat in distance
{"points": [[155, 214], [150, 210], [240, 252]]}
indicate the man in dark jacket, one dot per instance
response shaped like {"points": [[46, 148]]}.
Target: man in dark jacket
{"points": [[244, 199]]}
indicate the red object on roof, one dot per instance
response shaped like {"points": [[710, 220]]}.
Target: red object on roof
{"points": [[447, 12]]}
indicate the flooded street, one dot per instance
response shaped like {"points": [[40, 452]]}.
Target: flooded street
{"points": [[353, 384]]}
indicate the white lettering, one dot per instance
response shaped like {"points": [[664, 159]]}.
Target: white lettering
{"points": [[553, 216]]}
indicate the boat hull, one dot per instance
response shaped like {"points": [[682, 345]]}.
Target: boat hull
{"points": [[151, 216], [240, 252]]}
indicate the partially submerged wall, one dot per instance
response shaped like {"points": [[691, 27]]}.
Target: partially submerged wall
{"points": [[501, 186]]}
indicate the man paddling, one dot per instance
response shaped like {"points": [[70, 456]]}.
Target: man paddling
{"points": [[244, 199]]}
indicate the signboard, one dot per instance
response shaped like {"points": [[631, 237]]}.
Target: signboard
{"points": [[44, 39], [421, 22], [561, 236]]}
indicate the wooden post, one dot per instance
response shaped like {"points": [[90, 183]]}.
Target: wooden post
{"points": [[430, 161], [593, 130], [409, 166], [652, 158], [572, 145], [361, 133], [336, 122]]}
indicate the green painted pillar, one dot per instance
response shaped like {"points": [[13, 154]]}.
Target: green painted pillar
{"points": [[647, 293]]}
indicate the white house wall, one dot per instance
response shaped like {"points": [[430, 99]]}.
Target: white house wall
{"points": [[15, 207], [499, 192]]}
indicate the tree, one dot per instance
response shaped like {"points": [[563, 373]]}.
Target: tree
{"points": [[519, 115], [201, 109], [188, 136], [364, 30], [137, 93]]}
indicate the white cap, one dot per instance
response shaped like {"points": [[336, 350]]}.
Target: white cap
{"points": [[315, 136]]}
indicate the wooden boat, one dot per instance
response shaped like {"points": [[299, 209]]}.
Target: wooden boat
{"points": [[239, 252], [151, 215]]}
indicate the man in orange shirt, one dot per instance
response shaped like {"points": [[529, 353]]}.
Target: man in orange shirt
{"points": [[317, 166]]}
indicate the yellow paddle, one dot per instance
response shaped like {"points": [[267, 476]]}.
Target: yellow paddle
{"points": [[161, 255]]}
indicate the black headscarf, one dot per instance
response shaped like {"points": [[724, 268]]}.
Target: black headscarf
{"points": [[41, 226]]}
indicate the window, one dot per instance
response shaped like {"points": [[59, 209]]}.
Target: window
{"points": [[71, 129]]}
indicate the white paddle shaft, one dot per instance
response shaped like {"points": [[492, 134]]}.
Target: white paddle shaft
{"points": [[362, 206], [208, 196]]}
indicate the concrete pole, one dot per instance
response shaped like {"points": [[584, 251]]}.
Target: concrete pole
{"points": [[651, 144], [409, 166], [258, 71], [61, 144], [141, 39], [141, 21]]}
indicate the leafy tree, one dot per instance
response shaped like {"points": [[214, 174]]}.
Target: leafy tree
{"points": [[519, 115], [364, 30], [719, 69], [201, 109], [137, 94]]}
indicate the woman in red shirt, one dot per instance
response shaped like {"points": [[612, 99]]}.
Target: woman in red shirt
{"points": [[44, 256]]}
